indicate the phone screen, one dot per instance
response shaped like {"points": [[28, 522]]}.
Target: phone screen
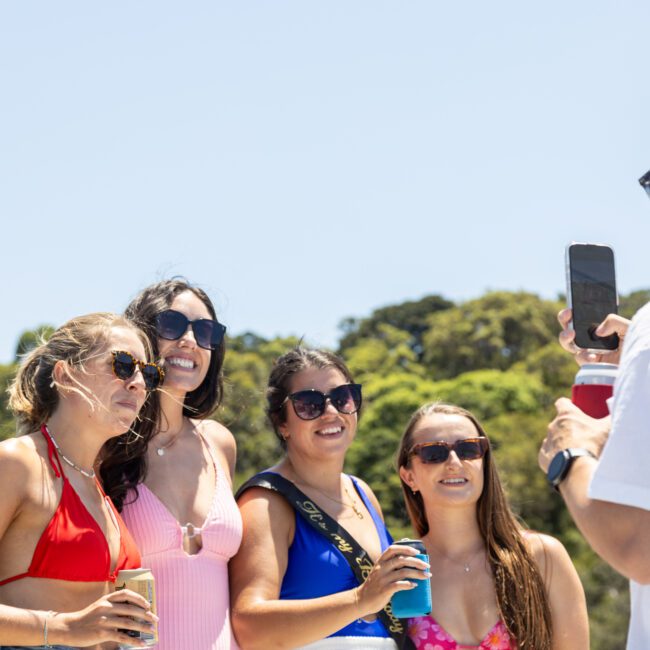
{"points": [[592, 290]]}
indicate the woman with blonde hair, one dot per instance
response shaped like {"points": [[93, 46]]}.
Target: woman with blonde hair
{"points": [[494, 585], [62, 542]]}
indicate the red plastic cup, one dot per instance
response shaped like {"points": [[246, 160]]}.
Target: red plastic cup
{"points": [[594, 385]]}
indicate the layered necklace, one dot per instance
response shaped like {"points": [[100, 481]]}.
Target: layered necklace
{"points": [[81, 470]]}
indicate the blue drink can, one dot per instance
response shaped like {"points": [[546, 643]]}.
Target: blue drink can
{"points": [[416, 601]]}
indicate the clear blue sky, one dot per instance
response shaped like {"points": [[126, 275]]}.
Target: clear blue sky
{"points": [[308, 161]]}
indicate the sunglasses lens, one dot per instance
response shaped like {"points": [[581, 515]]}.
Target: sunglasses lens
{"points": [[123, 365], [171, 325], [152, 376], [436, 453], [308, 404], [469, 449], [346, 399], [208, 333]]}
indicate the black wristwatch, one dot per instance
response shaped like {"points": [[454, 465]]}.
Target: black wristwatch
{"points": [[561, 464]]}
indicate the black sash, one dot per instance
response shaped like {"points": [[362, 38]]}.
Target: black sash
{"points": [[320, 521]]}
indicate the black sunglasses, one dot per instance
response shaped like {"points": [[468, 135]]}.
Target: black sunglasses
{"points": [[310, 404], [172, 324], [125, 364], [438, 452]]}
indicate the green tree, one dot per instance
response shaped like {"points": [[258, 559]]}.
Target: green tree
{"points": [[630, 304], [410, 316], [383, 355], [494, 331]]}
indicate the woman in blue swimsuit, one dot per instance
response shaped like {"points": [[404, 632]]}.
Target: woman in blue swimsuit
{"points": [[291, 586]]}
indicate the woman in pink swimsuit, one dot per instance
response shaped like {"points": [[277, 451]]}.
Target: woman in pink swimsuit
{"points": [[494, 585], [175, 492]]}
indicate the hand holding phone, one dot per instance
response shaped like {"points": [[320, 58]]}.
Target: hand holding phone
{"points": [[591, 293]]}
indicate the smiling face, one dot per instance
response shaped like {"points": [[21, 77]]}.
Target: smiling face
{"points": [[453, 482], [98, 394], [186, 363], [332, 432]]}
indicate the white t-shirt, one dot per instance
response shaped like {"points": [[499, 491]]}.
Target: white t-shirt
{"points": [[623, 473]]}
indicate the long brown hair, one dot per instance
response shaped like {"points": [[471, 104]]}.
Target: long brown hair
{"points": [[124, 468], [521, 595]]}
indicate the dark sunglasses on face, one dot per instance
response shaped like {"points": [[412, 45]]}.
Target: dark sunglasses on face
{"points": [[125, 364], [311, 404], [438, 452], [172, 324]]}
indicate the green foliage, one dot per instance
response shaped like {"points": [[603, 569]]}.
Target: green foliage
{"points": [[30, 339], [630, 304], [494, 331], [387, 353], [7, 425], [247, 367], [411, 317]]}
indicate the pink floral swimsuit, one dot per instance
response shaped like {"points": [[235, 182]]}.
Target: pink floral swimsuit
{"points": [[426, 634]]}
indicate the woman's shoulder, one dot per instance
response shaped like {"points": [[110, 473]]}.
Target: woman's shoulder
{"points": [[218, 435], [547, 551], [22, 464], [220, 440], [23, 453]]}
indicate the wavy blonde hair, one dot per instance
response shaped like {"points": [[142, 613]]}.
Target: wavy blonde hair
{"points": [[34, 394]]}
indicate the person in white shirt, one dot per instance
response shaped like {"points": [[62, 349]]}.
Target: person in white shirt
{"points": [[607, 489]]}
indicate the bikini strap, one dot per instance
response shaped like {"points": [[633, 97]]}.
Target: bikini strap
{"points": [[51, 451]]}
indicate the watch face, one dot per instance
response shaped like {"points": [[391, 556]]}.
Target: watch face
{"points": [[557, 468]]}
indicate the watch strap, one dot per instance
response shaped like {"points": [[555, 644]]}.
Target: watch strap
{"points": [[567, 458]]}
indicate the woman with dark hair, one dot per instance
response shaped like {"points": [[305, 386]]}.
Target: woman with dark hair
{"points": [[62, 542], [175, 489], [304, 575], [495, 586]]}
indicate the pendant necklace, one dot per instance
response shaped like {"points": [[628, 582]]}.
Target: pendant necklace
{"points": [[90, 474], [466, 564], [162, 449], [352, 504]]}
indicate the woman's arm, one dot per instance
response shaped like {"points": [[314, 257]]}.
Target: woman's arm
{"points": [[97, 623], [565, 593], [260, 619]]}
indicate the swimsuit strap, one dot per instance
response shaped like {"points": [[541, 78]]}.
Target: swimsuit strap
{"points": [[51, 450]]}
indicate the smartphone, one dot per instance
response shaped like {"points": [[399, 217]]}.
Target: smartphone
{"points": [[591, 293]]}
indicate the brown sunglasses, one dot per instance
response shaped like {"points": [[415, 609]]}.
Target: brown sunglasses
{"points": [[438, 452]]}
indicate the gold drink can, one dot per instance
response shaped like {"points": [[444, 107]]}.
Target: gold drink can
{"points": [[142, 582]]}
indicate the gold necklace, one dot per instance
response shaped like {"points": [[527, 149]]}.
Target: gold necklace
{"points": [[352, 505], [466, 564]]}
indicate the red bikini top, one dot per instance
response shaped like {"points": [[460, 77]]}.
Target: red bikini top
{"points": [[73, 546]]}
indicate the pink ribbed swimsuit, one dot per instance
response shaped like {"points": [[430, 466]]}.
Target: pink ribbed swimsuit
{"points": [[192, 590]]}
